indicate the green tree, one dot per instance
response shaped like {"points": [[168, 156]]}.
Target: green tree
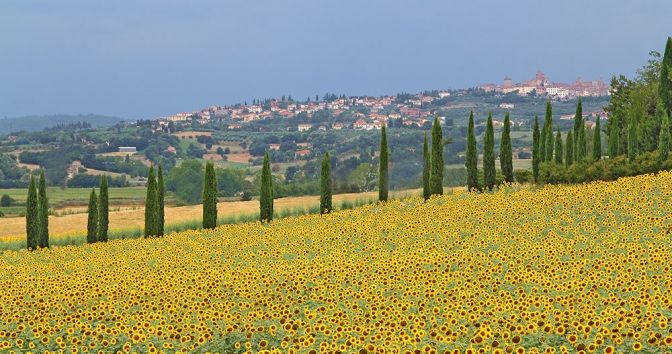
{"points": [[569, 149], [633, 148], [542, 141], [326, 205], [426, 166], [471, 160], [210, 197], [505, 151], [103, 210], [266, 197], [578, 125], [536, 149], [150, 205], [32, 217], [548, 135], [43, 212], [489, 172], [665, 84], [383, 168], [614, 137], [93, 220], [160, 204], [597, 141], [664, 139], [558, 148], [436, 175]]}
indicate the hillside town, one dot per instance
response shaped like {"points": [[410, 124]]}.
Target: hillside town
{"points": [[541, 85]]}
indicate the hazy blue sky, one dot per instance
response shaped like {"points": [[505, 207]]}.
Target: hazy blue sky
{"points": [[144, 58]]}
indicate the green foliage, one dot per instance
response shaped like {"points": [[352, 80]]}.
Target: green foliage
{"points": [[579, 134], [6, 201], [569, 149], [548, 135], [505, 151], [664, 139], [436, 172], [32, 218], [383, 168], [536, 149], [665, 84], [523, 176], [326, 205], [92, 221], [471, 160], [43, 212], [633, 146], [160, 204], [210, 197], [186, 181], [558, 148], [266, 197], [489, 155], [597, 141], [614, 137], [103, 210], [150, 205], [426, 166]]}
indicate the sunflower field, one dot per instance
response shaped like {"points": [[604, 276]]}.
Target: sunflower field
{"points": [[559, 269]]}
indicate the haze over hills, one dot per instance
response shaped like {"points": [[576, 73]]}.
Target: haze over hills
{"points": [[37, 123]]}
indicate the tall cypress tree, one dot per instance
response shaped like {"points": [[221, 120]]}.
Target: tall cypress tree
{"points": [[549, 132], [436, 173], [578, 123], [558, 148], [489, 172], [664, 138], [383, 171], [32, 217], [536, 149], [150, 205], [103, 210], [426, 166], [93, 220], [471, 160], [266, 197], [210, 197], [665, 83], [580, 149], [614, 137], [632, 139], [597, 141], [542, 141], [43, 212], [160, 204], [505, 151], [325, 186], [569, 149]]}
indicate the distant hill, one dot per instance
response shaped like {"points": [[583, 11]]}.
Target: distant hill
{"points": [[37, 123]]}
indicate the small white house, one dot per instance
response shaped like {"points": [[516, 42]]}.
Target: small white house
{"points": [[128, 149]]}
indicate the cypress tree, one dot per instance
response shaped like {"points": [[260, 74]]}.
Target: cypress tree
{"points": [[489, 155], [597, 141], [93, 220], [32, 217], [664, 138], [536, 152], [43, 212], [103, 210], [614, 137], [325, 186], [427, 162], [266, 197], [210, 197], [383, 172], [580, 149], [632, 139], [505, 151], [578, 123], [569, 149], [558, 148], [150, 205], [549, 132], [471, 161], [160, 204], [436, 173], [542, 142], [665, 83]]}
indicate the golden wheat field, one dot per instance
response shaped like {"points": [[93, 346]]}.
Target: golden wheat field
{"points": [[559, 269]]}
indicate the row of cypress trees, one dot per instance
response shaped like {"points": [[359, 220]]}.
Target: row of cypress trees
{"points": [[154, 204], [37, 214], [505, 155], [98, 214]]}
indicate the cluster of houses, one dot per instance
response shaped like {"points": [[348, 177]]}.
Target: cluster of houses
{"points": [[540, 85]]}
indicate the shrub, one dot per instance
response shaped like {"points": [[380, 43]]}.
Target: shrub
{"points": [[6, 201], [523, 176]]}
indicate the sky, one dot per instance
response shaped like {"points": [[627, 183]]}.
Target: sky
{"points": [[149, 58]]}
